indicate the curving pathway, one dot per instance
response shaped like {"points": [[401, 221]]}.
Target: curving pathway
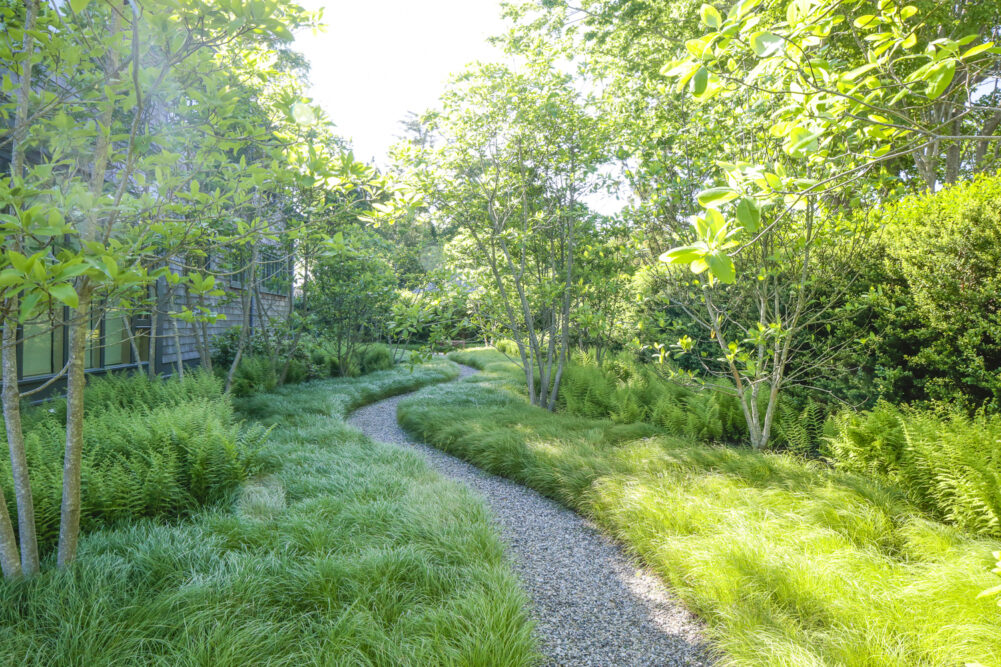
{"points": [[593, 605]]}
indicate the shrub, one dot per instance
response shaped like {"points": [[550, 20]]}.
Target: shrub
{"points": [[508, 347], [375, 357], [948, 462], [948, 248], [298, 371], [254, 373], [926, 316]]}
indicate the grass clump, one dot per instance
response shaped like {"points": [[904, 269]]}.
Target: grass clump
{"points": [[790, 562], [351, 553]]}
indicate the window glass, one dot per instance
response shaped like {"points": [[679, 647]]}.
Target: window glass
{"points": [[37, 349], [92, 359], [116, 340], [142, 342]]}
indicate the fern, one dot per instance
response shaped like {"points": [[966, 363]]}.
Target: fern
{"points": [[151, 449], [946, 461]]}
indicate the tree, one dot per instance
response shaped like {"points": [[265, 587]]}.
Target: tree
{"points": [[350, 296], [515, 153], [837, 125], [110, 199]]}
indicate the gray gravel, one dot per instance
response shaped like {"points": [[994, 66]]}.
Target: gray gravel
{"points": [[593, 605]]}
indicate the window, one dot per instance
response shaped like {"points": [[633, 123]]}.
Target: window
{"points": [[274, 270], [92, 357], [108, 344], [42, 350], [117, 349]]}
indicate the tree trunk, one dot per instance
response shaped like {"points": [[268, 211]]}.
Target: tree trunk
{"points": [[11, 390], [245, 300], [69, 520], [15, 441], [9, 558], [154, 337], [202, 336]]}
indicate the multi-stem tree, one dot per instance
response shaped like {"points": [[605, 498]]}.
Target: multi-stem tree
{"points": [[515, 152]]}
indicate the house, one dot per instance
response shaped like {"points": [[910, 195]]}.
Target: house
{"points": [[127, 341]]}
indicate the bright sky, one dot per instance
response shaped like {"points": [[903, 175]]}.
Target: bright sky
{"points": [[379, 59]]}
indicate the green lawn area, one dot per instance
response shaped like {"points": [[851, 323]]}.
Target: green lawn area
{"points": [[789, 561], [352, 553]]}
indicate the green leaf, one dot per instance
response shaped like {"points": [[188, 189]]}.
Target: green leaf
{"points": [[796, 10], [64, 292], [711, 16], [765, 43], [866, 22], [939, 77], [741, 9], [28, 306], [682, 255], [721, 267], [716, 222], [908, 11], [977, 50], [774, 182], [748, 215], [79, 5], [10, 276], [851, 75], [716, 196], [700, 81], [697, 47]]}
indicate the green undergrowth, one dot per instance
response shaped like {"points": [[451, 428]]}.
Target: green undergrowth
{"points": [[152, 448], [351, 553], [789, 561]]}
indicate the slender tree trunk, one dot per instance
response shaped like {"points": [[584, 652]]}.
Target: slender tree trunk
{"points": [[15, 441], [11, 390], [202, 334], [738, 381], [69, 519], [246, 297], [564, 314], [154, 339], [9, 558], [132, 340], [176, 334]]}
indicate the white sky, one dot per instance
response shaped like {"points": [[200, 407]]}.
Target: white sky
{"points": [[379, 59]]}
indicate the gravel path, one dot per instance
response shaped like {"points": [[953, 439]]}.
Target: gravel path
{"points": [[592, 604]]}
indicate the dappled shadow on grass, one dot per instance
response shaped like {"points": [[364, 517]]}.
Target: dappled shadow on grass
{"points": [[792, 563]]}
